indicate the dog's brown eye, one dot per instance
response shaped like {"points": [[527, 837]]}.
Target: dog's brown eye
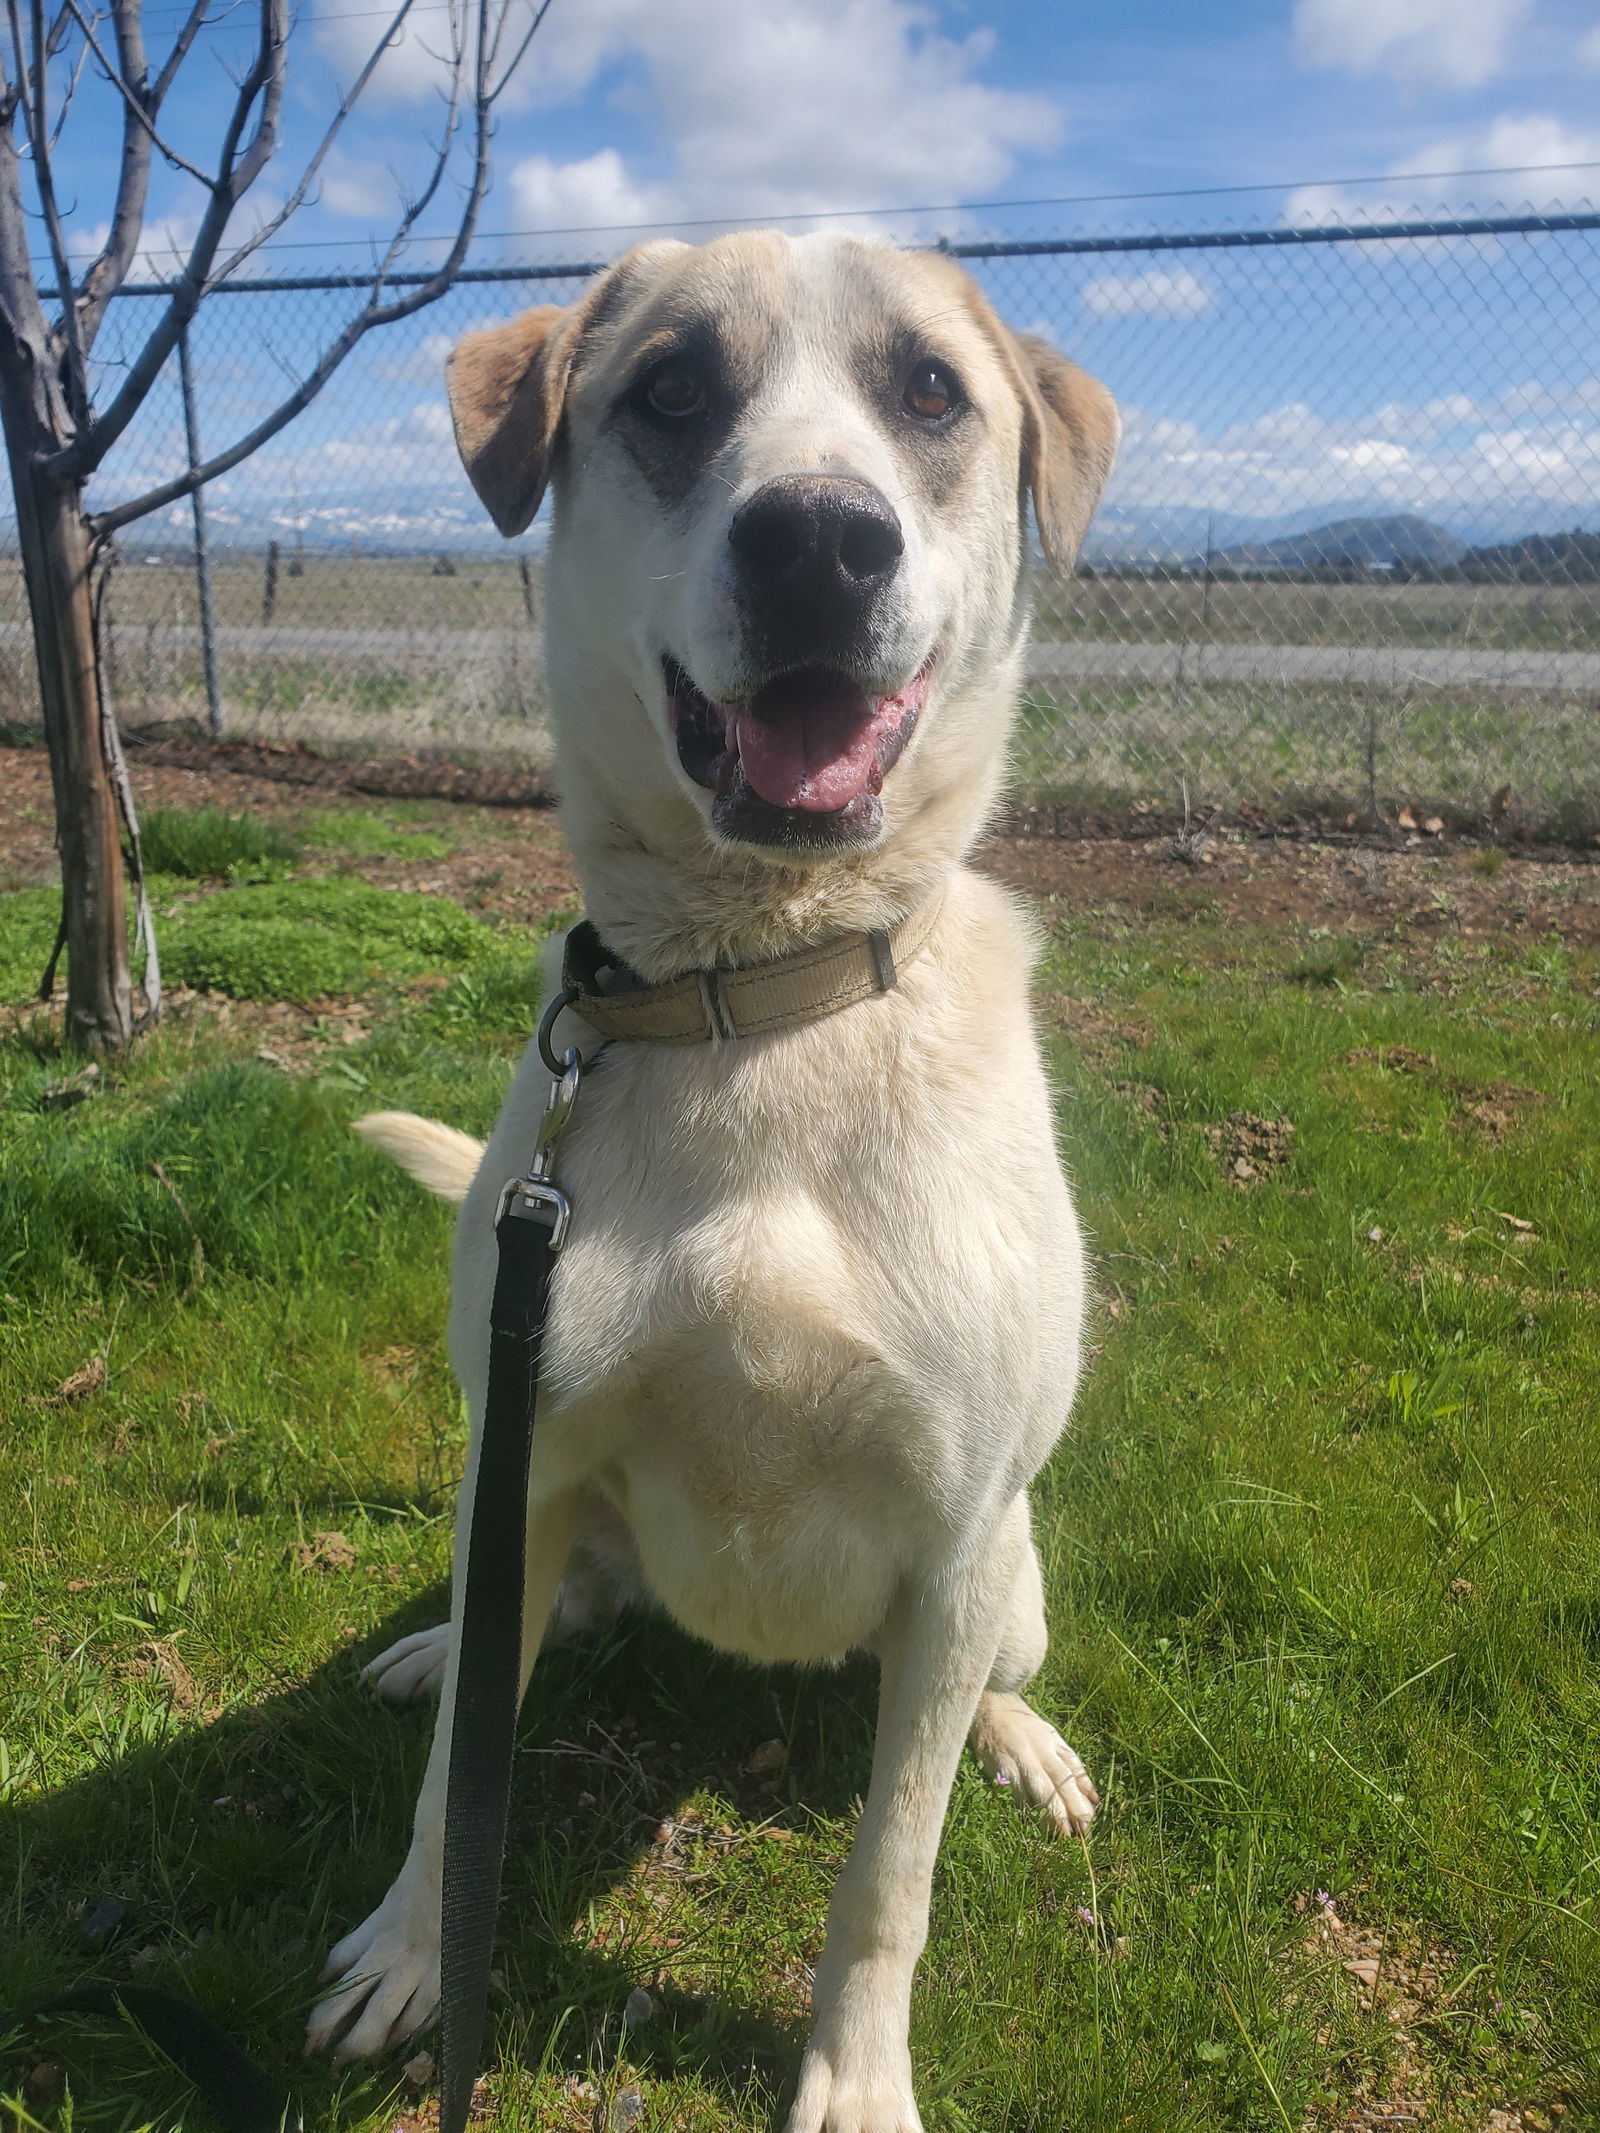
{"points": [[930, 392], [675, 391]]}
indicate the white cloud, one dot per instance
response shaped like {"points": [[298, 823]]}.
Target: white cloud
{"points": [[817, 107], [168, 237], [1546, 157], [414, 65], [595, 193], [1164, 292], [1522, 458], [1447, 44], [1589, 49], [364, 191]]}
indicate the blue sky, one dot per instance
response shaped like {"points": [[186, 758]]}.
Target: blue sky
{"points": [[1412, 384], [643, 110]]}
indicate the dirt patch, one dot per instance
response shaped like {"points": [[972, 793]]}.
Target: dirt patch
{"points": [[510, 859], [1148, 1101], [405, 777], [1406, 1982], [1493, 1108], [326, 1551], [1287, 887], [1099, 1039], [1250, 1147], [505, 863], [163, 1664]]}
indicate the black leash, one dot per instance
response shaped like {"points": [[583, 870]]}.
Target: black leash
{"points": [[240, 2096], [530, 1228]]}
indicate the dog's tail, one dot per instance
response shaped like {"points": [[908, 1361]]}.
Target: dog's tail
{"points": [[436, 1156]]}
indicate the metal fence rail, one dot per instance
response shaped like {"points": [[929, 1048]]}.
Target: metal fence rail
{"points": [[1350, 559]]}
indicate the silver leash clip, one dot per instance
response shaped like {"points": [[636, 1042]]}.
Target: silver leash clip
{"points": [[534, 1190]]}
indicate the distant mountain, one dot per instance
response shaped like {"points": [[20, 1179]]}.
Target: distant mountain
{"points": [[1369, 542]]}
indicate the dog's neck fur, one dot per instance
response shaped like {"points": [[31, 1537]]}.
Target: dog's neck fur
{"points": [[667, 899]]}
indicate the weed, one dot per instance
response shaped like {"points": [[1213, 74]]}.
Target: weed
{"points": [[1489, 860], [1332, 962], [207, 843], [499, 994], [301, 940]]}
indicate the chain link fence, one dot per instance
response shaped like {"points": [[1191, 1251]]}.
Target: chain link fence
{"points": [[1348, 567]]}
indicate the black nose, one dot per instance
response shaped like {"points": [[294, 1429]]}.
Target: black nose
{"points": [[811, 552]]}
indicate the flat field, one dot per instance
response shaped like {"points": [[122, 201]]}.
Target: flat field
{"points": [[1320, 1546], [486, 591], [380, 656]]}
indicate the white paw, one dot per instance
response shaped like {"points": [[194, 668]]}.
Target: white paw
{"points": [[1019, 1748], [413, 1669], [388, 1970], [844, 2099]]}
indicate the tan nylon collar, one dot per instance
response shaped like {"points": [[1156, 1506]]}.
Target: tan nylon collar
{"points": [[706, 1005]]}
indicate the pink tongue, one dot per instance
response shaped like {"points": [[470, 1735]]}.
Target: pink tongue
{"points": [[818, 753]]}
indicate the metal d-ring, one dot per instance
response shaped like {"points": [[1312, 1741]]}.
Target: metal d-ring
{"points": [[547, 1024]]}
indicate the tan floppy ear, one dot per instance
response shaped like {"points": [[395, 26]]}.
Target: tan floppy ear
{"points": [[507, 388], [1070, 444]]}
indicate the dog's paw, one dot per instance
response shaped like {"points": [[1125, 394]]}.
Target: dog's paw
{"points": [[841, 2098], [388, 1972], [1019, 1748], [412, 1670]]}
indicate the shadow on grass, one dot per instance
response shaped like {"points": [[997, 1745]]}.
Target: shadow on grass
{"points": [[238, 1849]]}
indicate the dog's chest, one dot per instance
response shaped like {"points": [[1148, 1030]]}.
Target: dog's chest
{"points": [[759, 1342], [775, 1457], [796, 1333]]}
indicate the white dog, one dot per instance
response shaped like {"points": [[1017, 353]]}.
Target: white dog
{"points": [[817, 1324]]}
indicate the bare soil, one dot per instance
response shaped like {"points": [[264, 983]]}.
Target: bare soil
{"points": [[511, 860]]}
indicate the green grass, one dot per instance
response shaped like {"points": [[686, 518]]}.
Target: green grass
{"points": [[209, 843], [284, 940], [1321, 1557], [363, 833]]}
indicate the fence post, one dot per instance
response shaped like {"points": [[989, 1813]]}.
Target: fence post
{"points": [[202, 553], [269, 592]]}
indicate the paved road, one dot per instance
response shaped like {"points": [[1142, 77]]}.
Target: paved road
{"points": [[1379, 666]]}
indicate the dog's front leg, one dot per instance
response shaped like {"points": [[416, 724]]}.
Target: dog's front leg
{"points": [[936, 1652], [388, 1968]]}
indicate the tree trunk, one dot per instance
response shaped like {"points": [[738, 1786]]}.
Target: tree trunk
{"points": [[56, 558]]}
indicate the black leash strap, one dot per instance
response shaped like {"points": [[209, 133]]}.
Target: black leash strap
{"points": [[239, 2095], [530, 1228]]}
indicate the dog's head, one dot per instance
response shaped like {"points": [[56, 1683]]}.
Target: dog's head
{"points": [[791, 479]]}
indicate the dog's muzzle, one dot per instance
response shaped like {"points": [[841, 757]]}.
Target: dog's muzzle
{"points": [[801, 762]]}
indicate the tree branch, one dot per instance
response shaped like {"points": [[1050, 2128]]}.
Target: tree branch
{"points": [[35, 119], [129, 85], [179, 53], [23, 331], [373, 314], [296, 199], [74, 76], [238, 167], [107, 273]]}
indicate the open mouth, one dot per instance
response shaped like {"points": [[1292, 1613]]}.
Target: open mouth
{"points": [[803, 760]]}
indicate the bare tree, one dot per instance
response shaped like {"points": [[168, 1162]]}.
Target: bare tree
{"points": [[56, 437]]}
